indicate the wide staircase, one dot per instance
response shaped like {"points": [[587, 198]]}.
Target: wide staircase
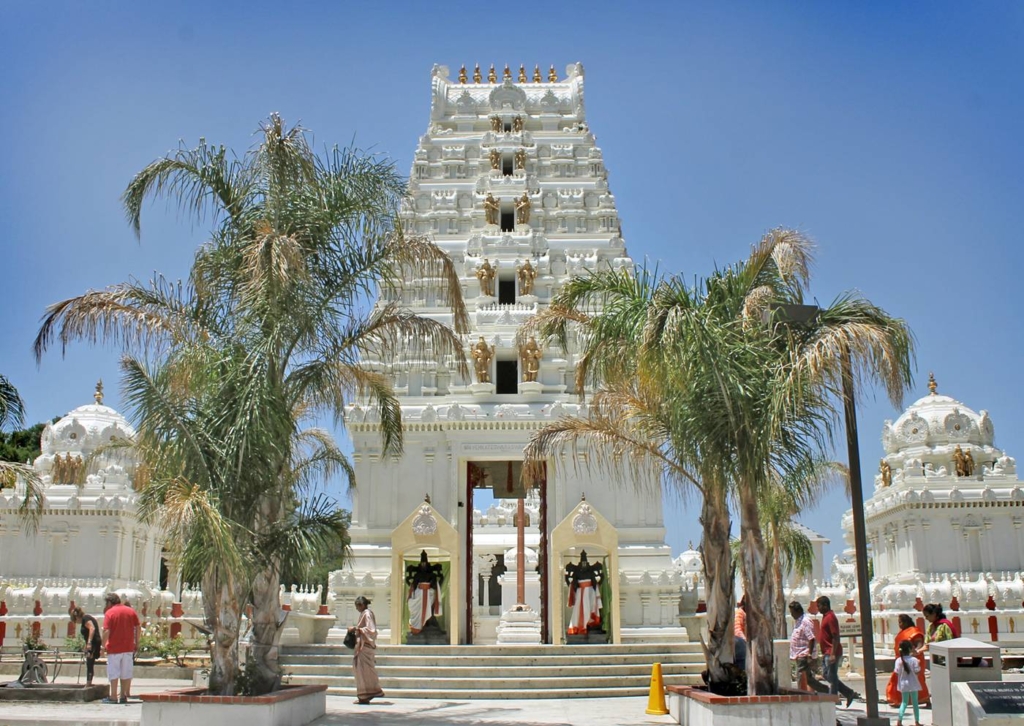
{"points": [[493, 671]]}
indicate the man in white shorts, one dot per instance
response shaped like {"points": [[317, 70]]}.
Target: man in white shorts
{"points": [[121, 631]]}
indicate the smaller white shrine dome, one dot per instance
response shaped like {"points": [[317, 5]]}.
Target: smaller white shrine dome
{"points": [[86, 429], [690, 561], [937, 420]]}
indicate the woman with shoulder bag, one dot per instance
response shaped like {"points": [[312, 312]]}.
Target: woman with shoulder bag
{"points": [[364, 664]]}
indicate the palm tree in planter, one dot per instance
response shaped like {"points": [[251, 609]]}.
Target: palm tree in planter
{"points": [[748, 399], [299, 279]]}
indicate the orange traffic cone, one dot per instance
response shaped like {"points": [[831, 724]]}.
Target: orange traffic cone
{"points": [[656, 699]]}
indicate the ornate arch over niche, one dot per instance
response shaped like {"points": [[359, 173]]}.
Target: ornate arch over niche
{"points": [[424, 529], [583, 528], [507, 97]]}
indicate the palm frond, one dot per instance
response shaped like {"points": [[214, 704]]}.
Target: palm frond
{"points": [[12, 407]]}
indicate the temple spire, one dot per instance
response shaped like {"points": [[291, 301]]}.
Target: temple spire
{"points": [[932, 385], [98, 396]]}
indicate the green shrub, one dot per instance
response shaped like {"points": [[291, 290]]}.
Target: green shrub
{"points": [[74, 645], [33, 642]]}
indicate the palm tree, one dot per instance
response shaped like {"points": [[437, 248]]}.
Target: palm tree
{"points": [[297, 282], [12, 416], [746, 399]]}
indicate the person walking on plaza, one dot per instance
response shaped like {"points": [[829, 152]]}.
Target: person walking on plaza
{"points": [[906, 670], [832, 651], [739, 631], [365, 662], [909, 633], [120, 640], [90, 630], [801, 649], [939, 626]]}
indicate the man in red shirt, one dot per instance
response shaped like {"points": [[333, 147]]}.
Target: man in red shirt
{"points": [[832, 651], [120, 640]]}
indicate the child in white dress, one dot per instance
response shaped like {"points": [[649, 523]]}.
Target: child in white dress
{"points": [[906, 670]]}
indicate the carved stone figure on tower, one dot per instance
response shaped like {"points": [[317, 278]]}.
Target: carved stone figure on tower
{"points": [[531, 355], [523, 209], [482, 355], [495, 158], [527, 274], [960, 461], [492, 210], [517, 124], [968, 463], [520, 159], [496, 124], [486, 277], [886, 470], [424, 581], [584, 581]]}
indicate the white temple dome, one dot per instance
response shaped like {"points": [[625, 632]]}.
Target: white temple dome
{"points": [[937, 421]]}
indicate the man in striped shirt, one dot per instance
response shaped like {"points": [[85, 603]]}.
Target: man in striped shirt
{"points": [[801, 648]]}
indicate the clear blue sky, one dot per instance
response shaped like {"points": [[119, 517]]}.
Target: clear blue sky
{"points": [[889, 132]]}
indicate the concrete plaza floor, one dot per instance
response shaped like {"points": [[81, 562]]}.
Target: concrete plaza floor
{"points": [[403, 712]]}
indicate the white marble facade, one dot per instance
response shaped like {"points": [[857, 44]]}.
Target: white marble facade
{"points": [[506, 139]]}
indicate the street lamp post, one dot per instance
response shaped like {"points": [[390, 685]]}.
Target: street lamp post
{"points": [[803, 315]]}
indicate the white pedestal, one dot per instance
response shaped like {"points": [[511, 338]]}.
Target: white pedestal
{"points": [[481, 389], [530, 389], [483, 300], [526, 299], [508, 590], [519, 626]]}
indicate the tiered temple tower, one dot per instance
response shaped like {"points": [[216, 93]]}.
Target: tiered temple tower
{"points": [[509, 180]]}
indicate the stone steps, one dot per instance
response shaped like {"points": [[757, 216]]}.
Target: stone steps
{"points": [[499, 672]]}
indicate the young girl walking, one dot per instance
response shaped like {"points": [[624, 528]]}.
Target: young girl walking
{"points": [[906, 670]]}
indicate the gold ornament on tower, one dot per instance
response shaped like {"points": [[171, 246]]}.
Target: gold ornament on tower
{"points": [[552, 76], [492, 77], [495, 157], [520, 159], [491, 209], [886, 470], [522, 74], [462, 75], [517, 124], [530, 354], [932, 385], [98, 396], [537, 78], [507, 74], [527, 274], [485, 274], [523, 209], [482, 355], [477, 78], [496, 124]]}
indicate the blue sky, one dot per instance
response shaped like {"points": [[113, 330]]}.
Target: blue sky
{"points": [[888, 132]]}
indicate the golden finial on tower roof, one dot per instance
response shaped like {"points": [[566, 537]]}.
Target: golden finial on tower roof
{"points": [[932, 385], [462, 75], [492, 77], [536, 74], [98, 396], [552, 76], [427, 498], [507, 74], [476, 74], [522, 73]]}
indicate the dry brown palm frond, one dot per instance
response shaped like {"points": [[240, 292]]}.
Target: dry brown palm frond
{"points": [[25, 477], [425, 260], [271, 262], [188, 512], [553, 321], [782, 258], [756, 303]]}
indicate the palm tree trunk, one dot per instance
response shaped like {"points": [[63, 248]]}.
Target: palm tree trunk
{"points": [[779, 611], [719, 584], [266, 594], [758, 586], [222, 607]]}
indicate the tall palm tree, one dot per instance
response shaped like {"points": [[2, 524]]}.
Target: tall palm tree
{"points": [[746, 399], [298, 280], [12, 416]]}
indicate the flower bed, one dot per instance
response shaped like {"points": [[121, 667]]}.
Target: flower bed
{"points": [[692, 706]]}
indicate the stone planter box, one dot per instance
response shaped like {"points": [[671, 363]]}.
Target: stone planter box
{"points": [[696, 707], [291, 706]]}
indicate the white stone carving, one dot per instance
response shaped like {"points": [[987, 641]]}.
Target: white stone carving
{"points": [[424, 523], [584, 522]]}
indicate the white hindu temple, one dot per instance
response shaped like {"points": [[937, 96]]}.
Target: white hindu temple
{"points": [[510, 181]]}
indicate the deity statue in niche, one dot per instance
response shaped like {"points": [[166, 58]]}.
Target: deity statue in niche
{"points": [[968, 463], [531, 355], [523, 209], [960, 461], [424, 581], [520, 159], [584, 581], [492, 210], [517, 124], [527, 274], [485, 274], [495, 159], [496, 124], [886, 471], [482, 355]]}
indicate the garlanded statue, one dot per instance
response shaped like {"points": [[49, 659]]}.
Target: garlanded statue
{"points": [[960, 461], [476, 74], [531, 355], [492, 77], [886, 470], [520, 158], [517, 124], [527, 274], [495, 158], [462, 75], [492, 210], [485, 274], [522, 74], [482, 355], [424, 581], [523, 209], [968, 463], [584, 581]]}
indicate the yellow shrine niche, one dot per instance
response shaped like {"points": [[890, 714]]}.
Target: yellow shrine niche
{"points": [[424, 529], [583, 529]]}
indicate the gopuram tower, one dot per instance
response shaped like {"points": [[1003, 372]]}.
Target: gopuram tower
{"points": [[509, 180]]}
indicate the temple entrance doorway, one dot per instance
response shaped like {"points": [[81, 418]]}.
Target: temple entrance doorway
{"points": [[495, 499]]}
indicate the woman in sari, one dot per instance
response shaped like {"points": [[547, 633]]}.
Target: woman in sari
{"points": [[365, 662], [912, 634]]}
